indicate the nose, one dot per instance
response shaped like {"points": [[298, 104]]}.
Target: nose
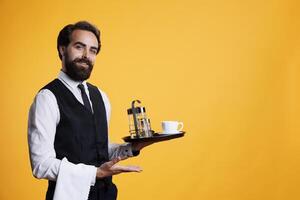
{"points": [[85, 53]]}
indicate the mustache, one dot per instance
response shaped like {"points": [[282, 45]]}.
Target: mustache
{"points": [[83, 60]]}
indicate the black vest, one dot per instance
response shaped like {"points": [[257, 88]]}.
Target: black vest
{"points": [[81, 136]]}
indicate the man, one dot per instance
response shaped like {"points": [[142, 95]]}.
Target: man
{"points": [[68, 125]]}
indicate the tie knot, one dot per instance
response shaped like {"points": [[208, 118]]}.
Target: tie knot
{"points": [[81, 87]]}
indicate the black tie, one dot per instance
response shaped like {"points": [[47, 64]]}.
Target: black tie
{"points": [[85, 98]]}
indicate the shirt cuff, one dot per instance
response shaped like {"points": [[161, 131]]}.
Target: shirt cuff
{"points": [[94, 176]]}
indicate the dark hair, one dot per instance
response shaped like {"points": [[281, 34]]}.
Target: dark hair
{"points": [[63, 38]]}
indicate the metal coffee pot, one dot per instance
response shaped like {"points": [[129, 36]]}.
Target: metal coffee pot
{"points": [[139, 124]]}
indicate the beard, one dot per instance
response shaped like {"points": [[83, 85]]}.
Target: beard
{"points": [[77, 72]]}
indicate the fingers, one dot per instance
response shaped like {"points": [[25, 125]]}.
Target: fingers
{"points": [[113, 162], [123, 158], [127, 168], [119, 158], [110, 168]]}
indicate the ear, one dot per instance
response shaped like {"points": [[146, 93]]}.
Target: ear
{"points": [[62, 50]]}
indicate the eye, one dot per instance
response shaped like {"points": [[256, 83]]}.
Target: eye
{"points": [[78, 47], [93, 51]]}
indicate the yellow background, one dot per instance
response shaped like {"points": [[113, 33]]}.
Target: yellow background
{"points": [[228, 69]]}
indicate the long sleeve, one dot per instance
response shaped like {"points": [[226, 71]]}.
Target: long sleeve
{"points": [[42, 122]]}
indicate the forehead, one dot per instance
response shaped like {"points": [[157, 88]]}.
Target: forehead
{"points": [[85, 37]]}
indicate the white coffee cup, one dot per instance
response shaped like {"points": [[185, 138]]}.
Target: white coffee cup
{"points": [[170, 127]]}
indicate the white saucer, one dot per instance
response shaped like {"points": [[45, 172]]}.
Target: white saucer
{"points": [[171, 132]]}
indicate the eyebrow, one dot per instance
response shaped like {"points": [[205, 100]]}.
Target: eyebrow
{"points": [[93, 47]]}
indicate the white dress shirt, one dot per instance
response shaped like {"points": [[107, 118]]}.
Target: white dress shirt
{"points": [[44, 116]]}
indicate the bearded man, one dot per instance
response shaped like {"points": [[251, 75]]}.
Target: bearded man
{"points": [[68, 125]]}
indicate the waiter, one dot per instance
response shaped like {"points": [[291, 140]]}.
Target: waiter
{"points": [[68, 125]]}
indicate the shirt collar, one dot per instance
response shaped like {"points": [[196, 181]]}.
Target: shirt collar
{"points": [[70, 82]]}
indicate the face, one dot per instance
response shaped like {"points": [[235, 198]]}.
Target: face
{"points": [[80, 55]]}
